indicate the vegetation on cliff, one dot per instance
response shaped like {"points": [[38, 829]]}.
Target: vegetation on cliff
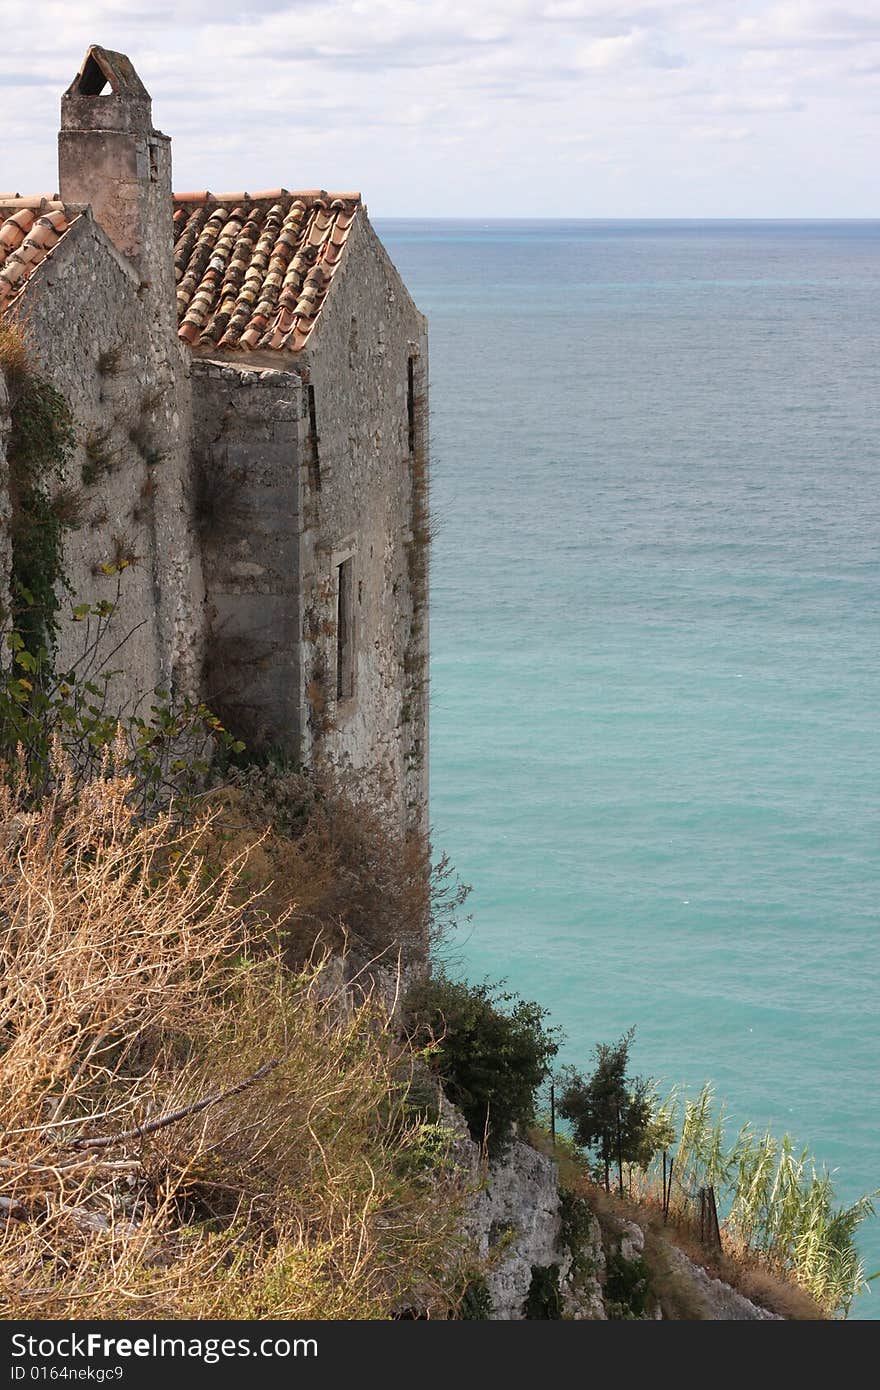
{"points": [[491, 1050], [206, 1114], [777, 1205], [613, 1114], [211, 1108], [192, 1129], [203, 1121]]}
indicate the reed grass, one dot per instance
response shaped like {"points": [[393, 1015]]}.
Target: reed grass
{"points": [[777, 1202]]}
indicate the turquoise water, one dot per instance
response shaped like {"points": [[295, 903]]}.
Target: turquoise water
{"points": [[656, 668]]}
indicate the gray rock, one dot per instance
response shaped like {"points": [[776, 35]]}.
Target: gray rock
{"points": [[515, 1221], [726, 1304]]}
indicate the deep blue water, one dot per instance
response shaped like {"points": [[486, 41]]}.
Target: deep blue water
{"points": [[656, 668]]}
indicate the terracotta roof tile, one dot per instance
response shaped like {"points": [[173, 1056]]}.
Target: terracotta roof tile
{"points": [[29, 229], [252, 269]]}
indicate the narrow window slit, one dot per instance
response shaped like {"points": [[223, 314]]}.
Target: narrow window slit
{"points": [[314, 458], [411, 403], [344, 631]]}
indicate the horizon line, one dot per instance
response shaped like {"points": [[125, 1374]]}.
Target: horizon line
{"points": [[477, 217]]}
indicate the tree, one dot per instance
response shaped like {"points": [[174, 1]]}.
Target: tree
{"points": [[611, 1113]]}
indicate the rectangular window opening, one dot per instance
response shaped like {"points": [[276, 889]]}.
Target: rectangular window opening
{"points": [[314, 459], [154, 162], [345, 630], [411, 403]]}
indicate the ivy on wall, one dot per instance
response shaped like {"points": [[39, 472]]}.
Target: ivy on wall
{"points": [[41, 443]]}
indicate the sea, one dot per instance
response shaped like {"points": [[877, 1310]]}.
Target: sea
{"points": [[655, 632]]}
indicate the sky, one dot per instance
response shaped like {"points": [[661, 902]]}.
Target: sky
{"points": [[481, 108]]}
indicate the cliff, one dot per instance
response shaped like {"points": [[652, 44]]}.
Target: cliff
{"points": [[535, 1238]]}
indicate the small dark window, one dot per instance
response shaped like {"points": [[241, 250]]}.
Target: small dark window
{"points": [[314, 457], [154, 162], [411, 404], [345, 631]]}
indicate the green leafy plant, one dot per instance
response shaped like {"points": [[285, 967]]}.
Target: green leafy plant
{"points": [[41, 444], [544, 1298], [169, 751], [577, 1221], [476, 1302], [627, 1288], [491, 1048]]}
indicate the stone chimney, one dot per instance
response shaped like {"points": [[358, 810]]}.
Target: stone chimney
{"points": [[110, 157]]}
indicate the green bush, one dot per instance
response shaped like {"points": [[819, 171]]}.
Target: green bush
{"points": [[491, 1049], [576, 1216], [627, 1288], [41, 506], [44, 714], [544, 1299], [476, 1303]]}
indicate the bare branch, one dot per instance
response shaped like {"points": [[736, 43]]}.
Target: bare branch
{"points": [[106, 1141]]}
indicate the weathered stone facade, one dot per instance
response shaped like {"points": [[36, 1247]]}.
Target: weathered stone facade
{"points": [[271, 504], [93, 335]]}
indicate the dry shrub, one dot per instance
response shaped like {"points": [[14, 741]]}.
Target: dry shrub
{"points": [[769, 1287], [14, 358], [131, 993], [340, 868]]}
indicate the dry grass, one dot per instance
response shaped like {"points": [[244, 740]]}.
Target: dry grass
{"points": [[132, 989], [68, 505], [743, 1269], [14, 356], [100, 457], [111, 361]]}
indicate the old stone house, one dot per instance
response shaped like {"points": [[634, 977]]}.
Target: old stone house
{"points": [[248, 376]]}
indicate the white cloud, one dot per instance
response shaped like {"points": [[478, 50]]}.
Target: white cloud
{"points": [[804, 24], [768, 103], [443, 106], [719, 134], [639, 48]]}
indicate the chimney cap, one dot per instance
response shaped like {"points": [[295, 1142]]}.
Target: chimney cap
{"points": [[100, 67]]}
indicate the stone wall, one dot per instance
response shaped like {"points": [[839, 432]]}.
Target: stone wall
{"points": [[247, 425], [91, 329], [365, 451], [225, 503], [324, 469]]}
